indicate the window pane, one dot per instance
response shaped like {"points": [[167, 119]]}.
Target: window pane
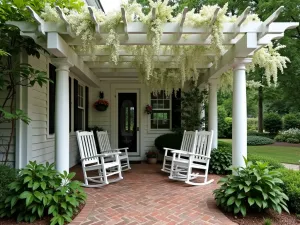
{"points": [[154, 104], [80, 119], [166, 104], [163, 124], [153, 96], [153, 124], [160, 104]]}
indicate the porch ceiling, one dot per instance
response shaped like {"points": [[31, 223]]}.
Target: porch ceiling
{"points": [[241, 40]]}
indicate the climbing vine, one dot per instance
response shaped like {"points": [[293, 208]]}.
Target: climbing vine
{"points": [[153, 70]]}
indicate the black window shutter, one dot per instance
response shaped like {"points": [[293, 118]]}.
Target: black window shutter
{"points": [[176, 109], [70, 104], [52, 76], [75, 105], [86, 108]]}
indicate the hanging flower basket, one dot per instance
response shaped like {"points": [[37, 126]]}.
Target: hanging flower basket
{"points": [[101, 105], [148, 109]]}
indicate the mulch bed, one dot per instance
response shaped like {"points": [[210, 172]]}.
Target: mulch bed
{"points": [[285, 144], [44, 221], [258, 218]]}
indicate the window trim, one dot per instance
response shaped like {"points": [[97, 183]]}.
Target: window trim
{"points": [[80, 84], [157, 130]]}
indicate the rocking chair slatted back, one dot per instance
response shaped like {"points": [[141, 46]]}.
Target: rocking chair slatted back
{"points": [[103, 140], [203, 145], [188, 141], [87, 147]]}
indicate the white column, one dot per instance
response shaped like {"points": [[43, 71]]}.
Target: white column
{"points": [[62, 114], [213, 111], [201, 107], [239, 116]]}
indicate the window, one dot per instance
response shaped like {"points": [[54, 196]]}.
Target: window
{"points": [[80, 107], [161, 111]]}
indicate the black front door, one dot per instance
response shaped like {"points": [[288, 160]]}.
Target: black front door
{"points": [[127, 121]]}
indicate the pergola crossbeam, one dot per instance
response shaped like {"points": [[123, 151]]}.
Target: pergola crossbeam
{"points": [[93, 17], [213, 20], [182, 22], [125, 22], [64, 19], [240, 20], [269, 20], [37, 19]]}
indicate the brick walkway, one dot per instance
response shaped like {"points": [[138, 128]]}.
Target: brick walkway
{"points": [[147, 196]]}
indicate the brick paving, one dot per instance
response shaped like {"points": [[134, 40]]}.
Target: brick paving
{"points": [[147, 196]]}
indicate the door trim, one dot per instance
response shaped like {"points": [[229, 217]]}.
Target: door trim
{"points": [[115, 90]]}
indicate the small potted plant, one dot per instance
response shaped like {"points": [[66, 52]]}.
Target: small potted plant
{"points": [[151, 156], [101, 105]]}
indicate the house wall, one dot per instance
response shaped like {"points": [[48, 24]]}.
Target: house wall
{"points": [[108, 119]]}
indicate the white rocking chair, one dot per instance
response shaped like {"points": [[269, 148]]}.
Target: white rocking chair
{"points": [[182, 169], [90, 161], [188, 140], [105, 147]]}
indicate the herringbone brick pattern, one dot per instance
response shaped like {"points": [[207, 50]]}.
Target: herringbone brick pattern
{"points": [[147, 196]]}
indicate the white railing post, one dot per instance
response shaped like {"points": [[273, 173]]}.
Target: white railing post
{"points": [[213, 111], [62, 114], [239, 116]]}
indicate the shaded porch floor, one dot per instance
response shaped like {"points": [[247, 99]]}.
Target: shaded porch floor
{"points": [[147, 196]]}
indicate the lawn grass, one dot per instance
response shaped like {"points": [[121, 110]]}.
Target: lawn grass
{"points": [[283, 154]]}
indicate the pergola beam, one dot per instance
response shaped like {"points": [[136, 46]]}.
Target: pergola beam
{"points": [[181, 22], [37, 19], [59, 48], [64, 19], [93, 17], [125, 22]]}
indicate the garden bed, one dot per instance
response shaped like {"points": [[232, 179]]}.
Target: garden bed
{"points": [[259, 218], [43, 221]]}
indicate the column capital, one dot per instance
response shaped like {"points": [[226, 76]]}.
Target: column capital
{"points": [[61, 63], [240, 63]]}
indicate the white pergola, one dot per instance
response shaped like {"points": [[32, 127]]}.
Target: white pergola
{"points": [[240, 39]]}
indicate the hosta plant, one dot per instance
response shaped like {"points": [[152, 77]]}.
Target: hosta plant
{"points": [[39, 191], [254, 187]]}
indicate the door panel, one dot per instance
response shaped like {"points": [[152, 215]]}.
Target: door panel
{"points": [[127, 121]]}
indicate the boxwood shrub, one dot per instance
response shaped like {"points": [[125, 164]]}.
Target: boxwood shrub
{"points": [[291, 121], [220, 161], [7, 175], [258, 140], [272, 123], [170, 140], [291, 188], [291, 135]]}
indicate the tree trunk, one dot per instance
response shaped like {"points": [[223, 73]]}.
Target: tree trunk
{"points": [[260, 109]]}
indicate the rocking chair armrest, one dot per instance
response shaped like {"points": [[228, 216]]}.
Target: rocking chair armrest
{"points": [[100, 155], [180, 152], [171, 149], [119, 149], [199, 155]]}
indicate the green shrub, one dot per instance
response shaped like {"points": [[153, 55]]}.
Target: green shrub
{"points": [[228, 130], [290, 121], [258, 140], [256, 133], [252, 124], [293, 140], [40, 190], [293, 134], [272, 123], [220, 161], [170, 140], [7, 175], [222, 126], [224, 144], [255, 187], [280, 138], [291, 188], [274, 164]]}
